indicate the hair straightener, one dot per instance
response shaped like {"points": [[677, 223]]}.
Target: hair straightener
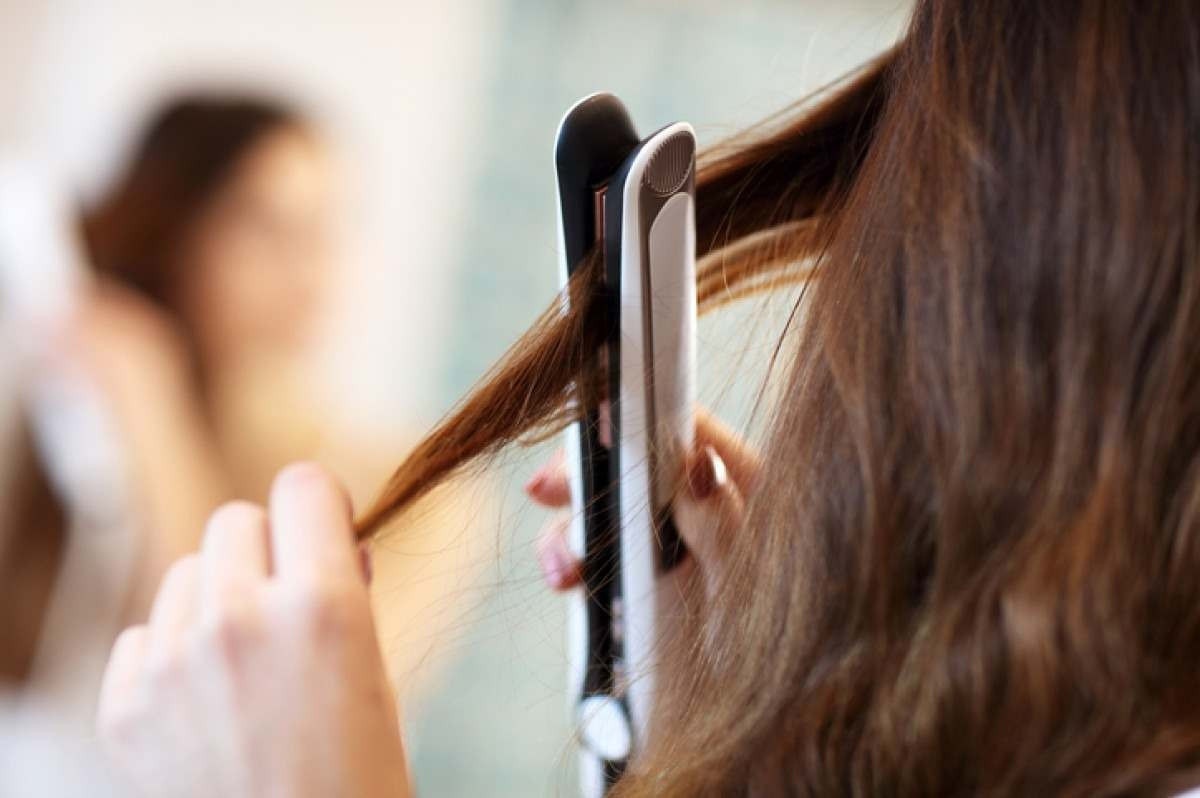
{"points": [[633, 200]]}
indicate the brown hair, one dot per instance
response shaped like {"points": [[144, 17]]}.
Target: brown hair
{"points": [[32, 539], [971, 566], [190, 149]]}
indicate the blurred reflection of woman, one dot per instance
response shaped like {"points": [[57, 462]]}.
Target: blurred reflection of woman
{"points": [[215, 248], [211, 250]]}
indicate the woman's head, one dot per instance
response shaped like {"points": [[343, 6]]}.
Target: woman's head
{"points": [[971, 564], [972, 567], [222, 218]]}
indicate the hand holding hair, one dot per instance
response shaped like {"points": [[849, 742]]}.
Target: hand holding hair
{"points": [[720, 472], [259, 671]]}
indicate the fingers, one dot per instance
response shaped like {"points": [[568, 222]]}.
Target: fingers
{"points": [[177, 602], [550, 486], [711, 505], [235, 550], [560, 568], [605, 432], [720, 471], [311, 532], [121, 673]]}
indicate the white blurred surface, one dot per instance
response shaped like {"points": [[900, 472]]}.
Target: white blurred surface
{"points": [[395, 84]]}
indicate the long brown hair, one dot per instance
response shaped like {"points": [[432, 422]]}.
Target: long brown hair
{"points": [[971, 566], [191, 147]]}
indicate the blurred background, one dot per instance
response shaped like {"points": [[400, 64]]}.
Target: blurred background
{"points": [[317, 223]]}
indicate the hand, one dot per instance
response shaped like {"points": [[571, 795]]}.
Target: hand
{"points": [[720, 472], [127, 341], [134, 348], [259, 672], [139, 361]]}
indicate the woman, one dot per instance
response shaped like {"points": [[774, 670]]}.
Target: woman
{"points": [[214, 247], [967, 562], [217, 247], [210, 248]]}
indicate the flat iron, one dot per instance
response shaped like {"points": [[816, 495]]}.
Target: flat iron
{"points": [[632, 199]]}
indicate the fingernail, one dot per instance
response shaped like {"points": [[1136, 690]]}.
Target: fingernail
{"points": [[559, 567], [707, 474], [605, 421], [536, 482], [550, 569], [555, 566], [364, 558]]}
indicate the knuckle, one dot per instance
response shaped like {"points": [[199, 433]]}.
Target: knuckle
{"points": [[165, 669], [227, 633], [324, 611], [554, 533], [119, 720]]}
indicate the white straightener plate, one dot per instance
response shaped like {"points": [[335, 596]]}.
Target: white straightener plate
{"points": [[635, 201]]}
